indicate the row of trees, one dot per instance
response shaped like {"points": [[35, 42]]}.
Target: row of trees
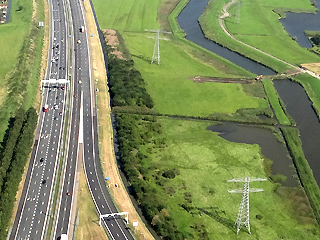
{"points": [[126, 84], [139, 137], [134, 133], [16, 149]]}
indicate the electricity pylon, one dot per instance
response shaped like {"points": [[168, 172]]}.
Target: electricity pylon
{"points": [[243, 218], [156, 49]]}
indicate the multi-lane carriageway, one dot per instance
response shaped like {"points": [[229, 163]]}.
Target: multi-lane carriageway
{"points": [[34, 209]]}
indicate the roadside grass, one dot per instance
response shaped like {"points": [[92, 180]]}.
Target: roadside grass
{"points": [[275, 102], [88, 227], [172, 91], [22, 82], [312, 88], [205, 162], [260, 28], [12, 37]]}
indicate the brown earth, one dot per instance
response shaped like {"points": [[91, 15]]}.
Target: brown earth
{"points": [[198, 79], [313, 67], [107, 155], [112, 40]]}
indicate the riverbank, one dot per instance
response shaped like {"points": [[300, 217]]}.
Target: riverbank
{"points": [[268, 39]]}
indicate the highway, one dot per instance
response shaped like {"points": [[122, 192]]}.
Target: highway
{"points": [[34, 206], [115, 226], [34, 210]]}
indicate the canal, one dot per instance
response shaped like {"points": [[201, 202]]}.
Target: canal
{"points": [[294, 96]]}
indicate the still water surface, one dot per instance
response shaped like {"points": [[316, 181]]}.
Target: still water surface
{"points": [[298, 105]]}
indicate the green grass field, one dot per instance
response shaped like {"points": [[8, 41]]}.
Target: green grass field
{"points": [[259, 27], [12, 36], [206, 161], [168, 84], [128, 15], [173, 92]]}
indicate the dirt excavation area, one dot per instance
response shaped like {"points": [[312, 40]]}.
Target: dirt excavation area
{"points": [[199, 79]]}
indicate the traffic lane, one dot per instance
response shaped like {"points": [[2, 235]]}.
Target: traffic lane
{"points": [[50, 164], [118, 228], [64, 211], [65, 206], [37, 175]]}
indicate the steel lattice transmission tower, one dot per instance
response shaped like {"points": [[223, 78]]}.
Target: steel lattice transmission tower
{"points": [[156, 49], [243, 218]]}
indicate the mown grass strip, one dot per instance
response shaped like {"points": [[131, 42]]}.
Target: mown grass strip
{"points": [[291, 136], [275, 102]]}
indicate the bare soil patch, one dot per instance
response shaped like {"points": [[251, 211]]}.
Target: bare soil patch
{"points": [[198, 79], [313, 67], [112, 40]]}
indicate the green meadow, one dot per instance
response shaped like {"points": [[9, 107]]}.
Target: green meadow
{"points": [[169, 84], [197, 199], [12, 36], [170, 87], [259, 27], [205, 162]]}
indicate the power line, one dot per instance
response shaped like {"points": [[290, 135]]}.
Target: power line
{"points": [[156, 48], [243, 218]]}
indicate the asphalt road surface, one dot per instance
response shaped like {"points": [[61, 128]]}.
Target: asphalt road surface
{"points": [[34, 207], [115, 226]]}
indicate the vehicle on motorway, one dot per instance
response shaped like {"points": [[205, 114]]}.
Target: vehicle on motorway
{"points": [[56, 106], [68, 193], [79, 41], [63, 87], [41, 159], [82, 29], [75, 95], [44, 181], [80, 81], [46, 108]]}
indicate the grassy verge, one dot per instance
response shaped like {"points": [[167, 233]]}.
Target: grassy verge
{"points": [[293, 141], [274, 100], [312, 88], [88, 227], [260, 28], [22, 82], [107, 156]]}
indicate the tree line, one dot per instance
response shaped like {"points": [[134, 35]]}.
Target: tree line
{"points": [[148, 181], [136, 132], [16, 148], [126, 84]]}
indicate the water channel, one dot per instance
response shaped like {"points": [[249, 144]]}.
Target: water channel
{"points": [[188, 21], [293, 95], [296, 23]]}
